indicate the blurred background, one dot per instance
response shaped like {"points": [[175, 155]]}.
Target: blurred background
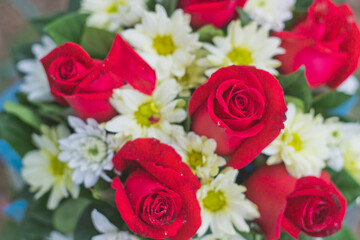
{"points": [[15, 30]]}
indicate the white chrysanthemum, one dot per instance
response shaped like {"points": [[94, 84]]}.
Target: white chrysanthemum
{"points": [[335, 138], [225, 237], [223, 204], [143, 116], [89, 151], [302, 145], [108, 230], [59, 236], [274, 13], [44, 172], [247, 45], [113, 14], [167, 44], [199, 153], [36, 84]]}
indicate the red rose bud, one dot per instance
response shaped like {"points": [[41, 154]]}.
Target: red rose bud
{"points": [[327, 42], [159, 197], [310, 205], [215, 12], [242, 108], [86, 84]]}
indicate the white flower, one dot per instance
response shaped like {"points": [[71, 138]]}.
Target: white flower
{"points": [[274, 12], [247, 45], [225, 237], [112, 14], [302, 145], [108, 230], [44, 172], [349, 86], [167, 44], [335, 138], [89, 151], [199, 153], [59, 236], [36, 84], [223, 204], [143, 116]]}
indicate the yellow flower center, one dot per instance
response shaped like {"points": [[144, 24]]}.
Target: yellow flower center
{"points": [[164, 45], [296, 142], [195, 159], [114, 7], [148, 114], [214, 201], [240, 56], [57, 167]]}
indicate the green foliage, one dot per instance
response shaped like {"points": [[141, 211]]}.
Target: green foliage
{"points": [[16, 133], [40, 22], [328, 100], [74, 5], [208, 32], [296, 101], [346, 184], [295, 85], [344, 234], [244, 17], [169, 5], [68, 214], [97, 42], [24, 113], [69, 28], [303, 5]]}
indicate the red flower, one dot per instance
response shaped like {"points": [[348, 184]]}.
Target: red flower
{"points": [[310, 205], [215, 12], [86, 84], [327, 42], [159, 197], [242, 108]]}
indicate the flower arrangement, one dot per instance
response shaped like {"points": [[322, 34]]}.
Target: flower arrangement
{"points": [[188, 119]]}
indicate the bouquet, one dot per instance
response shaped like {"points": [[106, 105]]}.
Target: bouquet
{"points": [[187, 119]]}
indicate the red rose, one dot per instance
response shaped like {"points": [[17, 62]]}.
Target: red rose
{"points": [[159, 197], [242, 108], [215, 12], [310, 205], [86, 84], [327, 42]]}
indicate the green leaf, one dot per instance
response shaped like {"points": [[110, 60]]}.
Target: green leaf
{"points": [[97, 42], [24, 113], [208, 32], [74, 5], [69, 28], [296, 85], [303, 5], [296, 101], [330, 100], [346, 184], [169, 5], [40, 22], [244, 17], [66, 216], [16, 133]]}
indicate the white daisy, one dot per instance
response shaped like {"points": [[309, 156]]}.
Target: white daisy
{"points": [[223, 204], [351, 151], [89, 151], [335, 138], [247, 45], [302, 145], [108, 230], [167, 44], [44, 172], [143, 116], [113, 14], [199, 153], [36, 84], [274, 13]]}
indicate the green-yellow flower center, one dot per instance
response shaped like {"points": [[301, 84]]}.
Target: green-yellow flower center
{"points": [[114, 7], [195, 159], [214, 201], [240, 56], [57, 167], [296, 142], [148, 114], [164, 44]]}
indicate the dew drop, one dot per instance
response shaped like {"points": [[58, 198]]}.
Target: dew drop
{"points": [[166, 233]]}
